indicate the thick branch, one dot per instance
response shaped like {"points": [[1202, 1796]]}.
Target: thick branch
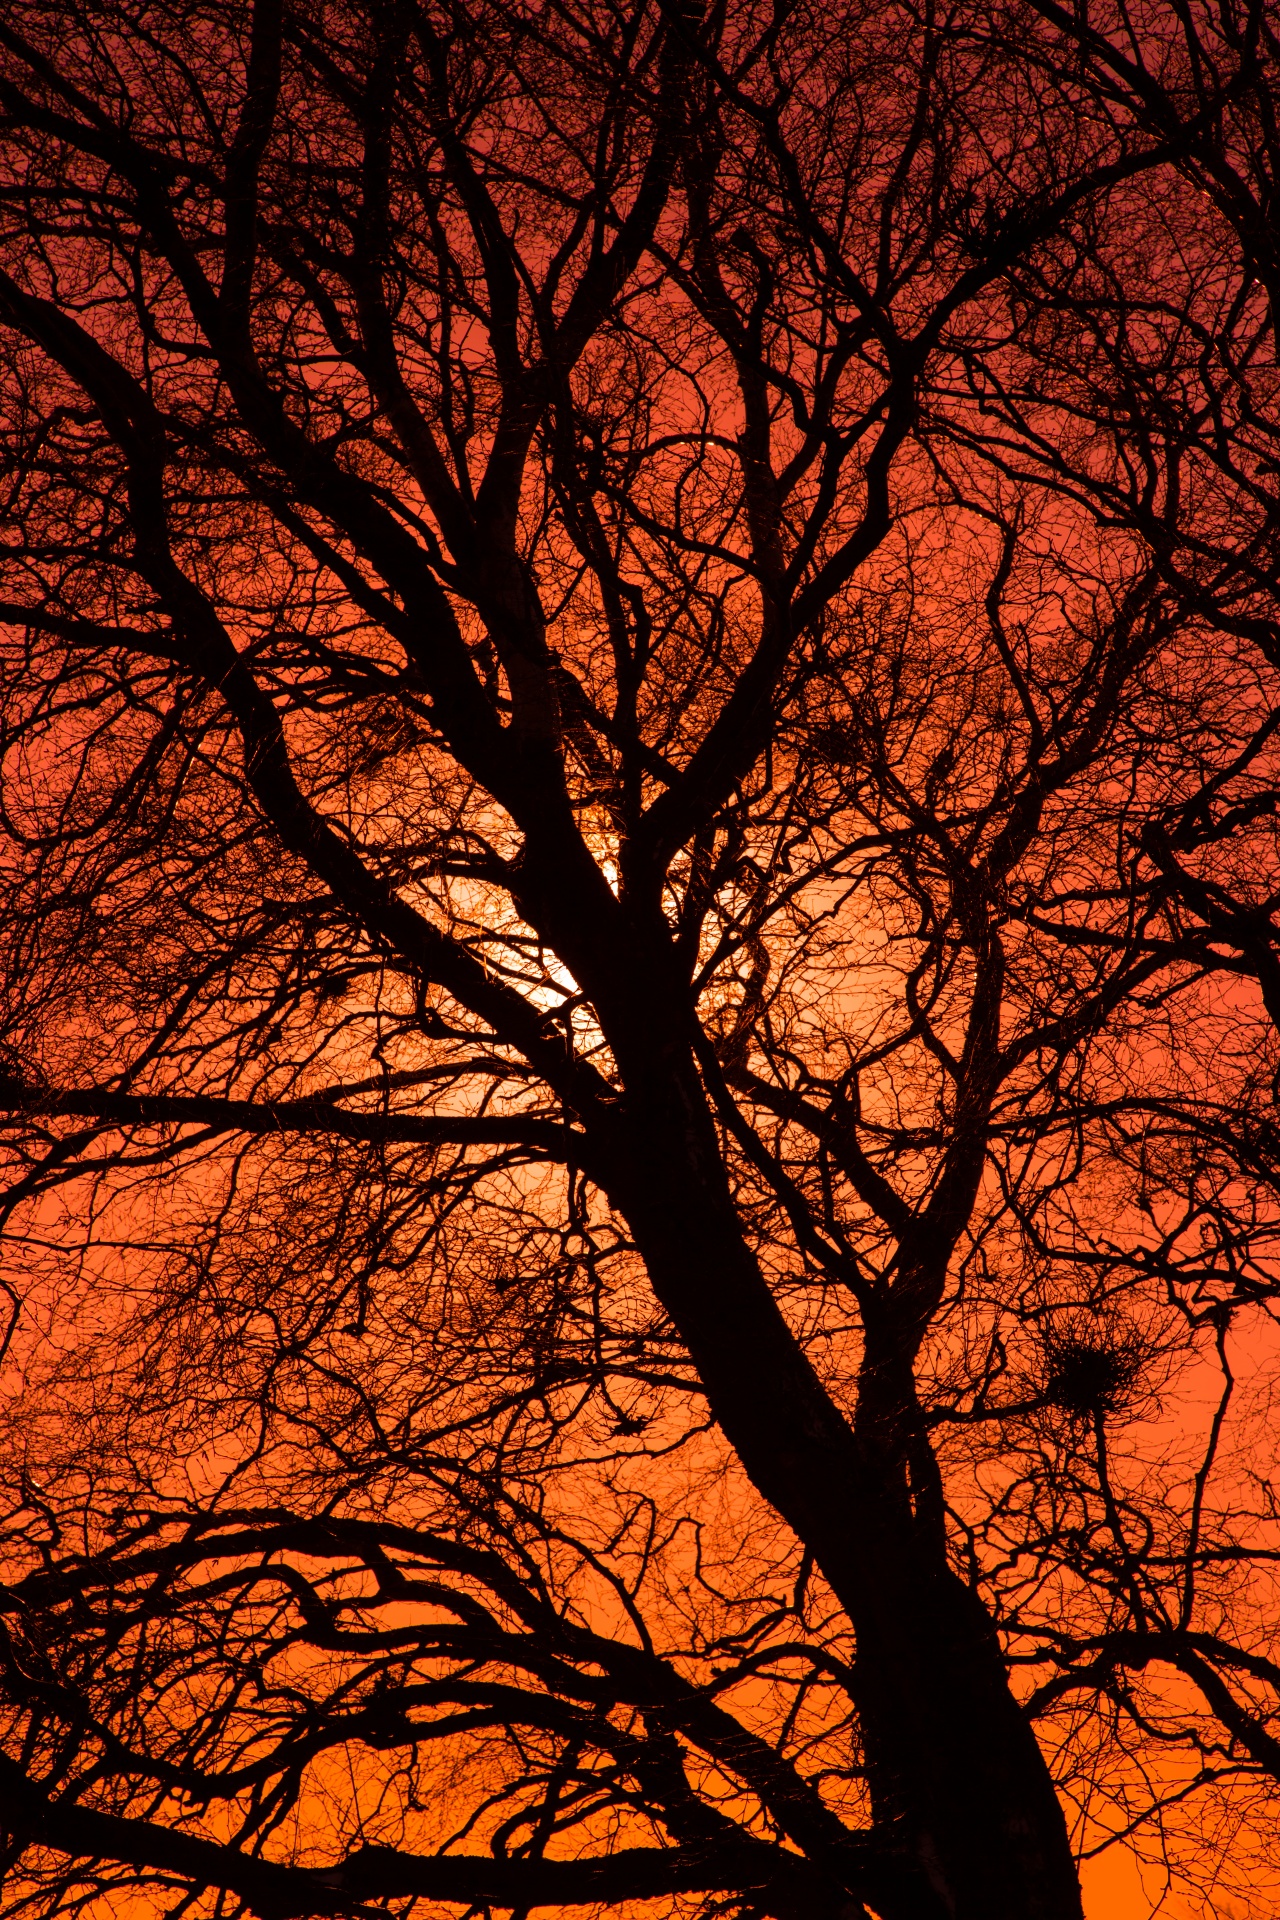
{"points": [[545, 1137]]}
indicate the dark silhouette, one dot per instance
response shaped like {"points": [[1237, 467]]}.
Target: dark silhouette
{"points": [[641, 993]]}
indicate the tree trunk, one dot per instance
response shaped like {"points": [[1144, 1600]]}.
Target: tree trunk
{"points": [[954, 1766]]}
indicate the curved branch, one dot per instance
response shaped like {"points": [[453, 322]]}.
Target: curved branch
{"points": [[277, 1892]]}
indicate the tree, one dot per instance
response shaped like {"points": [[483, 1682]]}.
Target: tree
{"points": [[641, 1001]]}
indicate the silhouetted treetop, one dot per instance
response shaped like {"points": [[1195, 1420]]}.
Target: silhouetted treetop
{"points": [[641, 989]]}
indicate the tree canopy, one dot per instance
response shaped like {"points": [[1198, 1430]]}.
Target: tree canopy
{"points": [[640, 1035]]}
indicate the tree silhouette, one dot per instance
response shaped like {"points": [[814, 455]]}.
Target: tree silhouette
{"points": [[641, 986]]}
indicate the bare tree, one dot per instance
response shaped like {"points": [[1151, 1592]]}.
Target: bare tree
{"points": [[641, 1002]]}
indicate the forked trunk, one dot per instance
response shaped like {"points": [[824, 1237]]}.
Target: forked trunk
{"points": [[958, 1781]]}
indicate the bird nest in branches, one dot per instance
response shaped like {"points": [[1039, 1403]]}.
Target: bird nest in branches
{"points": [[1092, 1365]]}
